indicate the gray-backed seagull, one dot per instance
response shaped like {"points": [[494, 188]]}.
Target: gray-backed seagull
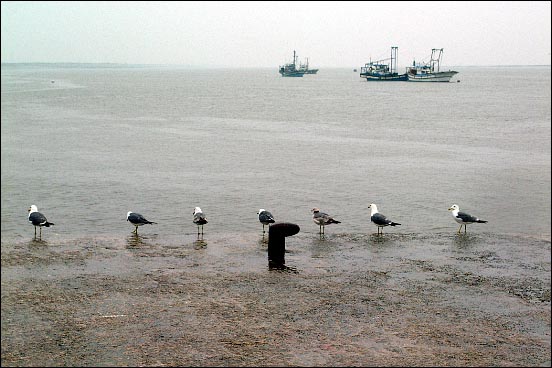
{"points": [[265, 218], [378, 219], [463, 218], [38, 219], [322, 219], [199, 219], [137, 220]]}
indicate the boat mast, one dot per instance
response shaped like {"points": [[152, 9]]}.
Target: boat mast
{"points": [[394, 57], [436, 60]]}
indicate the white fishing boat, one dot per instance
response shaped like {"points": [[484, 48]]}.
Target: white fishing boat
{"points": [[430, 72], [305, 68]]}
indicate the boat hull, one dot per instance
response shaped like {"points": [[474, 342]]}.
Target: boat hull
{"points": [[432, 77], [387, 78], [292, 74]]}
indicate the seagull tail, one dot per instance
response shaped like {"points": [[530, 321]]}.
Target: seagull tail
{"points": [[394, 224], [481, 221], [47, 224], [332, 221], [151, 222]]}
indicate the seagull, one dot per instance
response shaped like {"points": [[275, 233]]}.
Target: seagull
{"points": [[38, 219], [265, 218], [137, 220], [199, 219], [463, 218], [322, 219], [378, 219]]}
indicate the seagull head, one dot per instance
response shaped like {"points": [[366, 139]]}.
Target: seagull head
{"points": [[315, 210], [33, 208], [260, 210], [373, 208], [128, 214], [454, 207], [197, 210]]}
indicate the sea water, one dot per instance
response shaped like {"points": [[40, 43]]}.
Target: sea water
{"points": [[88, 143]]}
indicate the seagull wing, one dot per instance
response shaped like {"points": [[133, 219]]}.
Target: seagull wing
{"points": [[37, 219], [466, 217], [381, 220], [266, 217]]}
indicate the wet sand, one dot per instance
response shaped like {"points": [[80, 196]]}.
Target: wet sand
{"points": [[346, 300]]}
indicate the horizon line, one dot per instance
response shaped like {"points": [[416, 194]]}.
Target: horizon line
{"points": [[222, 66]]}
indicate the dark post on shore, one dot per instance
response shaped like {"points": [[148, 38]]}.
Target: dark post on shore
{"points": [[277, 242]]}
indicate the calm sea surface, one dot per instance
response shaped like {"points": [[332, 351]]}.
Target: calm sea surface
{"points": [[88, 144]]}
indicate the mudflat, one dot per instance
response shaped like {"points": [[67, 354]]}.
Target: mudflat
{"points": [[392, 300]]}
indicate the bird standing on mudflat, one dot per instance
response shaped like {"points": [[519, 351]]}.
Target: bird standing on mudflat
{"points": [[137, 220], [38, 219], [199, 219], [265, 218], [378, 219], [322, 219], [463, 218]]}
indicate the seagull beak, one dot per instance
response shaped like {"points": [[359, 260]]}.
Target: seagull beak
{"points": [[450, 209]]}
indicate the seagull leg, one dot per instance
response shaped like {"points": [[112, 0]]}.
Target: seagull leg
{"points": [[35, 231], [263, 229], [465, 228], [460, 228], [40, 231]]}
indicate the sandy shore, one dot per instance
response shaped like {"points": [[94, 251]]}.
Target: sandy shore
{"points": [[347, 301]]}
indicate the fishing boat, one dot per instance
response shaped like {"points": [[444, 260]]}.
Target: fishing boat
{"points": [[383, 70], [305, 68], [290, 69], [430, 72]]}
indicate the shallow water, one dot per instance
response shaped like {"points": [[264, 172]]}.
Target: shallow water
{"points": [[99, 142]]}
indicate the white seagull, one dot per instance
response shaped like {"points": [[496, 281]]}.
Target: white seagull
{"points": [[463, 218], [199, 219], [378, 219], [322, 219], [137, 220], [265, 218], [38, 219]]}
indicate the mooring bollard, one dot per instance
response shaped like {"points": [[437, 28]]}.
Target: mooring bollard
{"points": [[277, 242]]}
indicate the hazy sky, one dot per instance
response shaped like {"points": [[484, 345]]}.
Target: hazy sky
{"points": [[264, 34]]}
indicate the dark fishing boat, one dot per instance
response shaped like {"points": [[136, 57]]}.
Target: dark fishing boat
{"points": [[383, 70], [290, 69]]}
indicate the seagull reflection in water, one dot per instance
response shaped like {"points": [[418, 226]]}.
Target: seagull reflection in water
{"points": [[135, 240], [200, 244]]}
